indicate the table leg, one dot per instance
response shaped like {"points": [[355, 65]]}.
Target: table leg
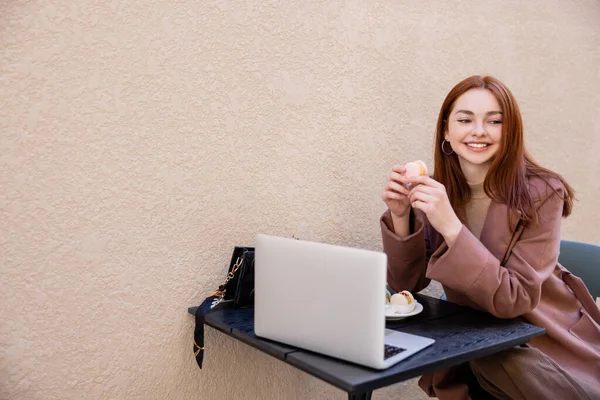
{"points": [[360, 396]]}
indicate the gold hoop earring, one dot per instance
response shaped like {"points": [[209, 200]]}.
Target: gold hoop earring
{"points": [[444, 151]]}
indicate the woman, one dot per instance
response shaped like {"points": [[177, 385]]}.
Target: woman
{"points": [[487, 227]]}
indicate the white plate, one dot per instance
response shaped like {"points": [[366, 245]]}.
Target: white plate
{"points": [[392, 315]]}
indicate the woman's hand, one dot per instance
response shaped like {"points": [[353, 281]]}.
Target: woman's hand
{"points": [[395, 195], [429, 196]]}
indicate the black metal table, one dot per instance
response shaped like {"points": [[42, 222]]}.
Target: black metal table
{"points": [[461, 334]]}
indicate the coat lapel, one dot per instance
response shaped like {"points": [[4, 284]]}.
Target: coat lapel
{"points": [[496, 233]]}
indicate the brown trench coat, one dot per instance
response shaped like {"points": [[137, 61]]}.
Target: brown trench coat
{"points": [[531, 283]]}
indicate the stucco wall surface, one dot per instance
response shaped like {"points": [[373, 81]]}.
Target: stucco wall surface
{"points": [[141, 141]]}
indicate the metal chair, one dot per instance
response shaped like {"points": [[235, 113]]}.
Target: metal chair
{"points": [[582, 260]]}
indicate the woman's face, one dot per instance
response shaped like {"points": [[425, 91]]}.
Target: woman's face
{"points": [[474, 130]]}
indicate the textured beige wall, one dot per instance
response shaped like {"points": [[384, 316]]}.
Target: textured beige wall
{"points": [[141, 141]]}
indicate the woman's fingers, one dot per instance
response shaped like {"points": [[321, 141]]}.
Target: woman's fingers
{"points": [[391, 195], [398, 177], [419, 205], [395, 186], [399, 169], [424, 180], [423, 189], [422, 197]]}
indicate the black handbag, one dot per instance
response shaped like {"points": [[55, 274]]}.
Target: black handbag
{"points": [[238, 289]]}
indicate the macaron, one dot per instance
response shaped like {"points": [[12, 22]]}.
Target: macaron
{"points": [[403, 302], [416, 168]]}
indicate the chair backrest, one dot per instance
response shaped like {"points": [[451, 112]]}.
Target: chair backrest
{"points": [[583, 260]]}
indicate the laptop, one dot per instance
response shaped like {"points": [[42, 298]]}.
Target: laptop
{"points": [[327, 299]]}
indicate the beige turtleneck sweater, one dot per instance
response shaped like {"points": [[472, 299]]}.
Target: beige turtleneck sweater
{"points": [[477, 209]]}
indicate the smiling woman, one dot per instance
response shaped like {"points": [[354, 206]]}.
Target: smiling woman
{"points": [[481, 120], [474, 130], [487, 227]]}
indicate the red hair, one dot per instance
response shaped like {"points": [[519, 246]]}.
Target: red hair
{"points": [[507, 179]]}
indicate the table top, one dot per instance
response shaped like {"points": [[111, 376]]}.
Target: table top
{"points": [[461, 334]]}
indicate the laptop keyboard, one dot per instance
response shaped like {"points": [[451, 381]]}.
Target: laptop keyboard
{"points": [[390, 351]]}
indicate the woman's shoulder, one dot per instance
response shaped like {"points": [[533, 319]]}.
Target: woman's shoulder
{"points": [[542, 187]]}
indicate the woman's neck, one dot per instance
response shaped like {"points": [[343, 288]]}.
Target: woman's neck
{"points": [[474, 174]]}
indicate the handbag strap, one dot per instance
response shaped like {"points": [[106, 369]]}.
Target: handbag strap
{"points": [[208, 304], [582, 293], [513, 240]]}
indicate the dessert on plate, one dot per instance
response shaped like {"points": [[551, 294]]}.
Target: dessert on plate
{"points": [[403, 302]]}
